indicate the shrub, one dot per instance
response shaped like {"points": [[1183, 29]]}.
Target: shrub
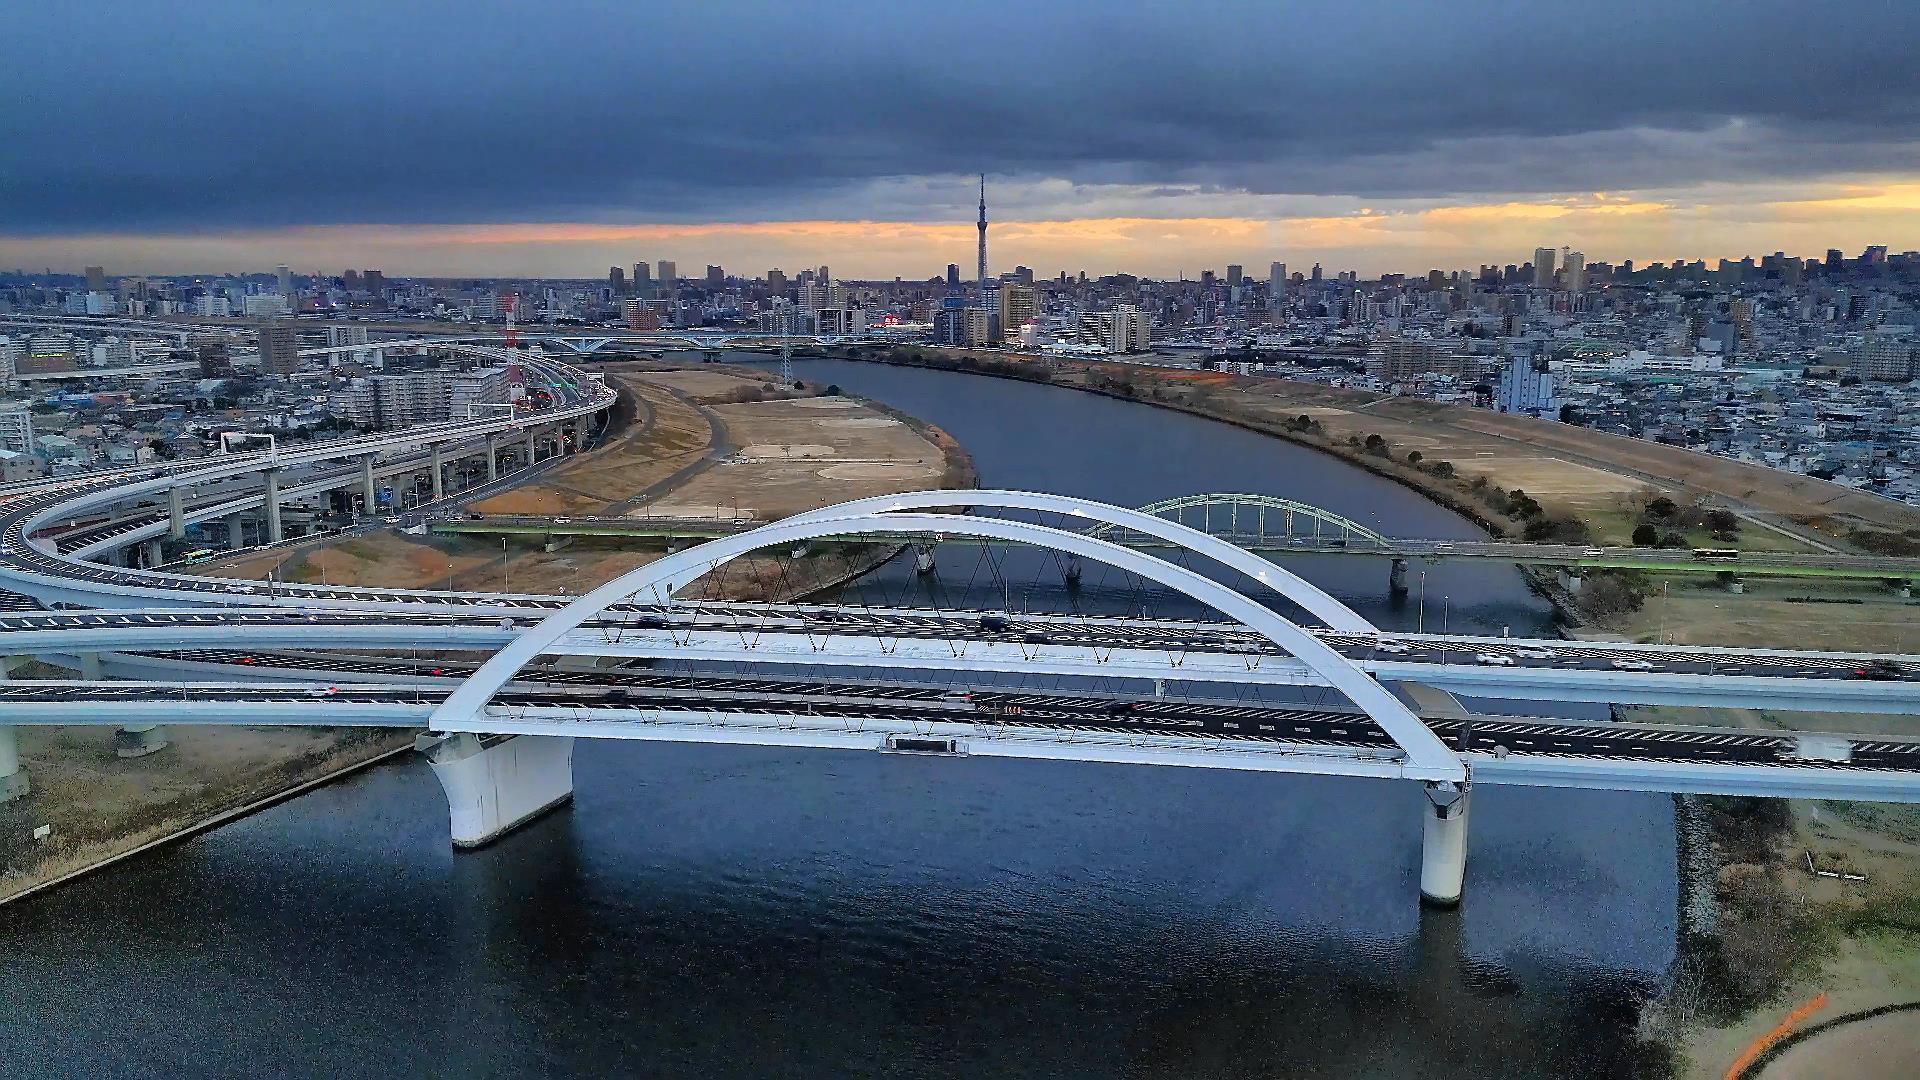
{"points": [[1645, 536]]}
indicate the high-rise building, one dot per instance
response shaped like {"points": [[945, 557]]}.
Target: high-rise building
{"points": [[669, 276], [824, 274], [215, 362], [777, 282], [16, 427], [953, 275], [376, 283], [616, 282], [1235, 274], [640, 315], [716, 277], [96, 279], [1526, 386], [1573, 271], [1543, 268], [279, 348], [1019, 305], [1277, 278], [642, 275], [284, 275]]}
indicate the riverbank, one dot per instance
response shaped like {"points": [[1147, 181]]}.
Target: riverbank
{"points": [[99, 808], [1472, 460]]}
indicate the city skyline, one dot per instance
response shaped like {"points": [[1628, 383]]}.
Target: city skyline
{"points": [[1386, 141]]}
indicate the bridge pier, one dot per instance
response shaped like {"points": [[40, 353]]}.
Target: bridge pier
{"points": [[13, 779], [369, 493], [532, 446], [139, 740], [923, 558], [493, 460], [439, 472], [152, 554], [1443, 844], [1570, 580], [235, 538], [275, 533], [496, 784], [176, 514], [1397, 577], [1735, 585]]}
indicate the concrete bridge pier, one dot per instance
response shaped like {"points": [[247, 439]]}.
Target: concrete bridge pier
{"points": [[236, 539], [13, 779], [923, 558], [1443, 844], [1397, 577], [275, 533], [493, 460], [369, 493], [533, 438], [495, 784], [176, 514], [139, 740], [439, 471], [1735, 585], [1570, 580], [151, 554]]}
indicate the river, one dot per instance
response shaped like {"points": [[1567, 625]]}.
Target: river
{"points": [[717, 912]]}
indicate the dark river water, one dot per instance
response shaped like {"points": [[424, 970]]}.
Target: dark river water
{"points": [[725, 912]]}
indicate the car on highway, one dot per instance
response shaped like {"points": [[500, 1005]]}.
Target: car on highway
{"points": [[1593, 553], [1533, 654], [1493, 659], [1880, 670], [1397, 648], [1242, 647], [956, 697], [995, 624], [1629, 664]]}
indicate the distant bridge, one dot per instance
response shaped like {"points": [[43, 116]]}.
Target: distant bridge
{"points": [[1271, 526]]}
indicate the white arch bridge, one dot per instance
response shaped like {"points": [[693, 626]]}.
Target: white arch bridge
{"points": [[493, 786], [501, 738]]}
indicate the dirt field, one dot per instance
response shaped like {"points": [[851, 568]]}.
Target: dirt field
{"points": [[1693, 610], [668, 435], [99, 805], [777, 457]]}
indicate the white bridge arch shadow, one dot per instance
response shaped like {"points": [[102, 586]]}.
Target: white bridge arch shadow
{"points": [[1427, 758]]}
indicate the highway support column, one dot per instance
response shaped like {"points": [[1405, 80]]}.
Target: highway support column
{"points": [[152, 554], [369, 494], [1443, 844], [495, 784], [532, 445], [13, 779], [493, 460], [275, 534], [236, 539], [176, 514], [439, 472], [1397, 577]]}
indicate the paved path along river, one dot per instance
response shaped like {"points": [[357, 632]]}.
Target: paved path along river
{"points": [[714, 912]]}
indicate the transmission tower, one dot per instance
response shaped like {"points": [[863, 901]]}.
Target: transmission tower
{"points": [[786, 354]]}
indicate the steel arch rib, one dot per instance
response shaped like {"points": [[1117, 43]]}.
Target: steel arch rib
{"points": [[1295, 588], [1427, 757], [1273, 502]]}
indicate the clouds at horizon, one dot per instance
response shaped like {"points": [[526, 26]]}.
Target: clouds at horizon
{"points": [[176, 128]]}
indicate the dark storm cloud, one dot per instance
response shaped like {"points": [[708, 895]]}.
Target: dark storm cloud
{"points": [[219, 115]]}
